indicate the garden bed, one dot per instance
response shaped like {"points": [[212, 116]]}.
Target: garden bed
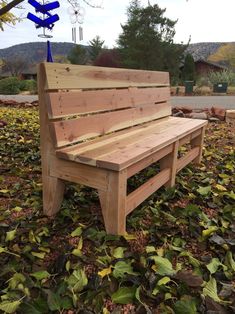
{"points": [[178, 256]]}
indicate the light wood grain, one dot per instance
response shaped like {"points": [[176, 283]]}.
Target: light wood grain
{"points": [[124, 156], [80, 102], [70, 131], [146, 189], [144, 163], [113, 203], [187, 158], [79, 173], [197, 141], [170, 160], [53, 187], [68, 76]]}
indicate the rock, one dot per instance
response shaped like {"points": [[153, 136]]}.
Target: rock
{"points": [[213, 119], [178, 114], [218, 113], [185, 110], [198, 115], [230, 117]]}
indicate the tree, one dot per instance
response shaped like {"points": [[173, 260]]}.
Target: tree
{"points": [[225, 54], [188, 72], [7, 17], [146, 41], [78, 55], [108, 58], [96, 45], [14, 65]]}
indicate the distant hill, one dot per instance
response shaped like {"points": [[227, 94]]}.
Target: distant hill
{"points": [[36, 51], [204, 50]]}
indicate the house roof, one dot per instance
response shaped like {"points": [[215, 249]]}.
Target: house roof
{"points": [[217, 65]]}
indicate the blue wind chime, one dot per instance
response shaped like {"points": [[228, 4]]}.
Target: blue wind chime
{"points": [[46, 21]]}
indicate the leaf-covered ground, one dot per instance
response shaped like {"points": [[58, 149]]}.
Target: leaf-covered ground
{"points": [[178, 256]]}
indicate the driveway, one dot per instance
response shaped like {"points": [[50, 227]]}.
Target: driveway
{"points": [[20, 98], [195, 102], [201, 102]]}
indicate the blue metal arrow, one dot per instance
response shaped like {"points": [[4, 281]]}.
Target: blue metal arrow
{"points": [[44, 8], [43, 23]]}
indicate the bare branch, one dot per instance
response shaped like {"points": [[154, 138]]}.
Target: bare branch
{"points": [[9, 6]]}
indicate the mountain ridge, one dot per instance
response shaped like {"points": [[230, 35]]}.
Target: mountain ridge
{"points": [[36, 52]]}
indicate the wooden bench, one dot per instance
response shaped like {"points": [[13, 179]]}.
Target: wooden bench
{"points": [[100, 126]]}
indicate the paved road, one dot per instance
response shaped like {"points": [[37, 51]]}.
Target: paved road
{"points": [[196, 102], [19, 98]]}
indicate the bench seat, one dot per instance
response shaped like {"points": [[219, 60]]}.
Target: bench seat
{"points": [[122, 149]]}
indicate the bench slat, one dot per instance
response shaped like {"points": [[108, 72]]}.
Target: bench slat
{"points": [[70, 131], [125, 156], [146, 189], [68, 76], [71, 152], [123, 152], [80, 102]]}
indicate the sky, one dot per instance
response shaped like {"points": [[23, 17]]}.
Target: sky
{"points": [[202, 20]]}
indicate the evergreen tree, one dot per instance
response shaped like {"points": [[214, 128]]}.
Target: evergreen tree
{"points": [[146, 41], [78, 55], [96, 46], [188, 72]]}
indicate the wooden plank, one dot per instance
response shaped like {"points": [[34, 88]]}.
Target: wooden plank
{"points": [[52, 187], [144, 191], [113, 203], [144, 163], [189, 137], [170, 161], [79, 173], [100, 143], [187, 158], [120, 151], [125, 156], [68, 76], [70, 131], [80, 102], [198, 142]]}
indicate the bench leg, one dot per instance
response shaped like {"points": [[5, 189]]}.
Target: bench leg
{"points": [[113, 203], [198, 142], [53, 194], [170, 161]]}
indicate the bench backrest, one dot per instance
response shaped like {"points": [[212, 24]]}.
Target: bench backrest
{"points": [[83, 102]]}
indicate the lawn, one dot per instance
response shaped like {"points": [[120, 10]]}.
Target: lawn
{"points": [[177, 257]]}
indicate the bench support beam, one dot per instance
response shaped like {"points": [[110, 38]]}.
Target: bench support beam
{"points": [[170, 161], [198, 142], [113, 202]]}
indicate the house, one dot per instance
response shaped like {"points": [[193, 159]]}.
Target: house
{"points": [[28, 73], [203, 67]]}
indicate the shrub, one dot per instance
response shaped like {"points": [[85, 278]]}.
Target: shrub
{"points": [[225, 76], [204, 81], [9, 86], [28, 85]]}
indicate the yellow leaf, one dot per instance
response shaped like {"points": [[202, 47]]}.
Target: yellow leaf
{"points": [[39, 255], [105, 272], [4, 191], [10, 235], [220, 187]]}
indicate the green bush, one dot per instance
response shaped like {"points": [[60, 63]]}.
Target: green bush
{"points": [[28, 85], [13, 86], [9, 86], [225, 76]]}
